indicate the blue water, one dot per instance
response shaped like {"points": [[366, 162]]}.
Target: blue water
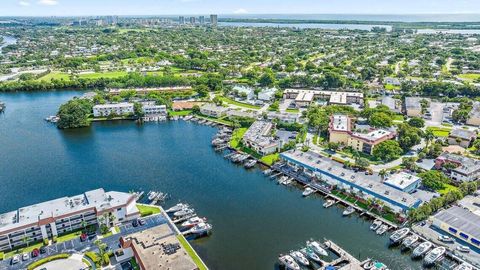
{"points": [[367, 27], [254, 219]]}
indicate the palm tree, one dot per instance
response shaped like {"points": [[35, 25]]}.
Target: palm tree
{"points": [[429, 136], [382, 173]]}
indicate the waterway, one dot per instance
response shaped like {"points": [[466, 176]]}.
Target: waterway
{"points": [[254, 219], [327, 26], [7, 40]]}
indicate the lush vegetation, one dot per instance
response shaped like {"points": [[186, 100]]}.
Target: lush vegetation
{"points": [[46, 260], [74, 113], [147, 210]]}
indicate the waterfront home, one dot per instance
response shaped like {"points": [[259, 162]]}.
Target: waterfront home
{"points": [[284, 117], [462, 137], [151, 108], [267, 94], [464, 169], [244, 114], [102, 110], [49, 219], [363, 185], [459, 222], [259, 138], [403, 181], [213, 110], [340, 131]]}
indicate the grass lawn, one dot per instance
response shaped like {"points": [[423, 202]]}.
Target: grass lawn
{"points": [[47, 259], [440, 131], [270, 159], [108, 74], [240, 104], [147, 210], [179, 113], [23, 250], [292, 110], [469, 76], [446, 188], [191, 252], [55, 75], [237, 137], [398, 117], [391, 87], [69, 236]]}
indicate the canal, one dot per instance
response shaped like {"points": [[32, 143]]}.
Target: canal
{"points": [[254, 219]]}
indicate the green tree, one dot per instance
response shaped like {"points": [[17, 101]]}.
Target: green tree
{"points": [[138, 109], [202, 90], [416, 122], [74, 113], [408, 136], [267, 79], [380, 119], [387, 151], [434, 179], [362, 163]]}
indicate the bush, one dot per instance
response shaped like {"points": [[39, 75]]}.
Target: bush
{"points": [[47, 259], [94, 257], [45, 241], [54, 239]]}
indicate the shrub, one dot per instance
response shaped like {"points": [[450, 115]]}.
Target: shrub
{"points": [[47, 259]]}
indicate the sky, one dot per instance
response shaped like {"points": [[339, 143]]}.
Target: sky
{"points": [[176, 7]]}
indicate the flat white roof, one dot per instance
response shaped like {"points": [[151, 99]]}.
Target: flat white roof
{"points": [[401, 180], [373, 135], [340, 122]]}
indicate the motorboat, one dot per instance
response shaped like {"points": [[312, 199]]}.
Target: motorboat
{"points": [[289, 262], [347, 212], [375, 225], [421, 249], [152, 195], [282, 179], [434, 255], [445, 239], [184, 212], [299, 257], [250, 164], [368, 265], [398, 235], [410, 240], [464, 249], [267, 172], [328, 203], [463, 266], [177, 207], [201, 228], [315, 246], [307, 191], [191, 222], [382, 229], [311, 254]]}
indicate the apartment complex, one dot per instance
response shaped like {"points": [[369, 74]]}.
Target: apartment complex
{"points": [[112, 108], [144, 91], [304, 97], [52, 218], [340, 131], [465, 169], [259, 138]]}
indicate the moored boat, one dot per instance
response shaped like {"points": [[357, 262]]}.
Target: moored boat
{"points": [[464, 249], [315, 246], [176, 208], [200, 229], [445, 239], [307, 191], [299, 257], [398, 235], [289, 262], [463, 266], [434, 255], [382, 229], [193, 221], [368, 265], [328, 203], [379, 266], [184, 212], [311, 254], [410, 240], [347, 212], [250, 164], [421, 249], [375, 225]]}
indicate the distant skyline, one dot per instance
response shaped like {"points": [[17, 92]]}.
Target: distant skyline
{"points": [[226, 7]]}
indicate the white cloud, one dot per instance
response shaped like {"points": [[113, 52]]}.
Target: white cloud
{"points": [[48, 2], [240, 11], [24, 3]]}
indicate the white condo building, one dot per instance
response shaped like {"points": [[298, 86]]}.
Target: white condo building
{"points": [[116, 108]]}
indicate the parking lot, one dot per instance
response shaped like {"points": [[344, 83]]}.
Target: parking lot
{"points": [[77, 246]]}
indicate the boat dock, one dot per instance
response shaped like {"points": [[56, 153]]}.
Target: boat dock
{"points": [[345, 260]]}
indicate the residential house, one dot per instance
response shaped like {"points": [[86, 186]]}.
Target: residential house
{"points": [[462, 137]]}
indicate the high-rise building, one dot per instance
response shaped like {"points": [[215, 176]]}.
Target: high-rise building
{"points": [[201, 19], [181, 20], [193, 20], [214, 19]]}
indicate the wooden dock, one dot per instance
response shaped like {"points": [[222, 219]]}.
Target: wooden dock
{"points": [[345, 260]]}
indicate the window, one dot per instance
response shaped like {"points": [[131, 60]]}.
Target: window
{"points": [[464, 235], [452, 230], [119, 209], [475, 241]]}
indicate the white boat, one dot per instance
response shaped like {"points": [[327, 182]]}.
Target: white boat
{"points": [[375, 225], [315, 246], [328, 203], [347, 212], [434, 255], [299, 257], [287, 182], [409, 241], [307, 191], [421, 249], [267, 172], [445, 239], [184, 212], [382, 229], [152, 195], [289, 262], [398, 235], [193, 221], [464, 249], [368, 265], [463, 266], [201, 228], [311, 254], [250, 164], [177, 207]]}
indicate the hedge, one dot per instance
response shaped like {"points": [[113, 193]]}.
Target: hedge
{"points": [[48, 259]]}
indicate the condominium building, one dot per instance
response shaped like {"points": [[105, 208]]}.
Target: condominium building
{"points": [[464, 169], [259, 138], [213, 20], [305, 97], [340, 131], [150, 108], [112, 108], [213, 110], [52, 218]]}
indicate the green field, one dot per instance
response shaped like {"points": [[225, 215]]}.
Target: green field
{"points": [[55, 75], [391, 87], [292, 110], [179, 113], [270, 159], [147, 210], [469, 76], [237, 137], [440, 131], [446, 188], [108, 74], [240, 104]]}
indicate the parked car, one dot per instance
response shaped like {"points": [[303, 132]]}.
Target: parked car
{"points": [[142, 222], [15, 259], [135, 223], [83, 237], [35, 253], [43, 250], [25, 256]]}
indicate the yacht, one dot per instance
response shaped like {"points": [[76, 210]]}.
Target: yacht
{"points": [[464, 249], [328, 203], [289, 262], [249, 164], [311, 254], [398, 235], [152, 195], [445, 239], [382, 229], [307, 191], [347, 212], [200, 228], [176, 208], [299, 257], [409, 241], [421, 249], [193, 221], [282, 179], [315, 246], [267, 172], [434, 255], [375, 225], [463, 266], [184, 212], [368, 265]]}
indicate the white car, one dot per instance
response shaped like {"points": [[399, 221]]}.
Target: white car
{"points": [[25, 256], [15, 259]]}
